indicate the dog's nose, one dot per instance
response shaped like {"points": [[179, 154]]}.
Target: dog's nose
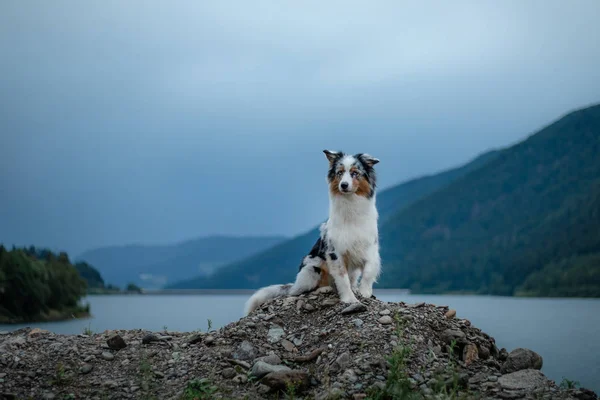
{"points": [[344, 185]]}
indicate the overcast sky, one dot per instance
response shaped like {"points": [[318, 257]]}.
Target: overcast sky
{"points": [[153, 122]]}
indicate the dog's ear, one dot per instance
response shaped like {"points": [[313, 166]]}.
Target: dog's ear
{"points": [[332, 155], [369, 160]]}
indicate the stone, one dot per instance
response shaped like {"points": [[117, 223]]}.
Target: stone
{"points": [[86, 368], [470, 354], [385, 320], [357, 322], [209, 340], [228, 373], [309, 307], [36, 332], [343, 361], [240, 379], [116, 342], [272, 359], [329, 302], [349, 376], [354, 308], [384, 312], [288, 346], [281, 380], [520, 359], [195, 338], [275, 334], [525, 379], [261, 368], [149, 338], [324, 290], [245, 351], [454, 334], [108, 356], [450, 314]]}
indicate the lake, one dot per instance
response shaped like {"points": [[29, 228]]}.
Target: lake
{"points": [[565, 332]]}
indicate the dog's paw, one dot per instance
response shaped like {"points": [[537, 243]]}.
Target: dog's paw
{"points": [[349, 299], [366, 292]]}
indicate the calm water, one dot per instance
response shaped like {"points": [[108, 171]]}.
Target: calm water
{"points": [[566, 332]]}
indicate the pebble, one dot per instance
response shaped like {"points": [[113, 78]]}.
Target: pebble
{"points": [[354, 308], [288, 346], [385, 320], [209, 340], [116, 342], [450, 314], [357, 322], [260, 369], [86, 369], [228, 373], [384, 312], [108, 356], [275, 334]]}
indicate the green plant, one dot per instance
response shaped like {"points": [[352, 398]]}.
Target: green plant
{"points": [[568, 384], [165, 328], [209, 325], [199, 389], [61, 377], [87, 330]]}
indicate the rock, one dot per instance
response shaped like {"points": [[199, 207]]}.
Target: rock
{"points": [[272, 359], [288, 346], [520, 359], [260, 369], [309, 307], [385, 320], [108, 356], [149, 338], [470, 354], [357, 322], [349, 376], [240, 379], [195, 338], [343, 360], [209, 340], [450, 314], [86, 369], [36, 332], [116, 342], [526, 379], [324, 290], [245, 351], [275, 334], [281, 380], [228, 373], [454, 334], [354, 308], [329, 302], [385, 312]]}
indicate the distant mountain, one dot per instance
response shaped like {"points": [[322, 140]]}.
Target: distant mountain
{"points": [[527, 222], [280, 263], [154, 266]]}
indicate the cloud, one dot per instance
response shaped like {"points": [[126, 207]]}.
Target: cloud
{"points": [[155, 121]]}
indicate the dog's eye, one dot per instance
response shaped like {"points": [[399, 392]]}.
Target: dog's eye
{"points": [[354, 174], [340, 173]]}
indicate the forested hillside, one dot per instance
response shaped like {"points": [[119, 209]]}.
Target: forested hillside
{"points": [[38, 285], [527, 222]]}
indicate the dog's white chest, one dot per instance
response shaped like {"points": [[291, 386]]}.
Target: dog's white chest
{"points": [[352, 227]]}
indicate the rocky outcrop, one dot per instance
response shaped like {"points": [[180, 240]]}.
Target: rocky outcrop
{"points": [[310, 346]]}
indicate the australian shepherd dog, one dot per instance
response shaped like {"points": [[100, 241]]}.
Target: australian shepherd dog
{"points": [[348, 246]]}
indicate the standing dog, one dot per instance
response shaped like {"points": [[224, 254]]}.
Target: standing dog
{"points": [[348, 247]]}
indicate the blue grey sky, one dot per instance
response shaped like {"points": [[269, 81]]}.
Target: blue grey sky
{"points": [[153, 122]]}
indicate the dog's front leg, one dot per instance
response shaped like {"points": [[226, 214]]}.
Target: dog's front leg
{"points": [[370, 273], [354, 274], [342, 280]]}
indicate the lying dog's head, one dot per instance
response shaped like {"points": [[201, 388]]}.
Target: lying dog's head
{"points": [[351, 174]]}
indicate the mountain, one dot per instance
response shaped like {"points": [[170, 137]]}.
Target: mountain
{"points": [[280, 263], [154, 266], [527, 222]]}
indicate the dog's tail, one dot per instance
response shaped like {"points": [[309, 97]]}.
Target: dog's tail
{"points": [[264, 294]]}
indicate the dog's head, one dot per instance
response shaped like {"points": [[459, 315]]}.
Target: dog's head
{"points": [[351, 174]]}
